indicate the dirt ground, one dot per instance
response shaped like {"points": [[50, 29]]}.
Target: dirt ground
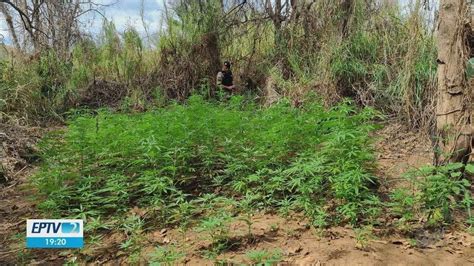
{"points": [[302, 245], [397, 149]]}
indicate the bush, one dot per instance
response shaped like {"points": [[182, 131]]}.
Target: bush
{"points": [[437, 193]]}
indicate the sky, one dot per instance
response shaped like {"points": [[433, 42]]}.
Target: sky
{"points": [[124, 13]]}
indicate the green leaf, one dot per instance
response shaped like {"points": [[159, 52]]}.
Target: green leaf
{"points": [[470, 168], [470, 68], [452, 167], [456, 174]]}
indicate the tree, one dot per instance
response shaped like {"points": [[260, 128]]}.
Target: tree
{"points": [[45, 24], [453, 110]]}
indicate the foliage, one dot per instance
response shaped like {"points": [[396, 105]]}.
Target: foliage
{"points": [[437, 192], [264, 257], [207, 161], [165, 255], [216, 225], [307, 158], [387, 60], [132, 227], [45, 87], [363, 236], [384, 57]]}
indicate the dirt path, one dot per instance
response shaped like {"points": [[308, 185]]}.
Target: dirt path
{"points": [[398, 150], [17, 156], [298, 243]]}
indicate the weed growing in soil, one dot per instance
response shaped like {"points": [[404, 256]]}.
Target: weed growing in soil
{"points": [[264, 257], [363, 236], [217, 228], [185, 161], [132, 227], [165, 256], [436, 193]]}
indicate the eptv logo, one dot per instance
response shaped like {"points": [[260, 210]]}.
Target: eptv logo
{"points": [[51, 227], [57, 233]]}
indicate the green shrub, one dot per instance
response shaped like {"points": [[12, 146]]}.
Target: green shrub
{"points": [[438, 191]]}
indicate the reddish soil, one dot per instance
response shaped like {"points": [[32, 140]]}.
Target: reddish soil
{"points": [[304, 246], [398, 149]]}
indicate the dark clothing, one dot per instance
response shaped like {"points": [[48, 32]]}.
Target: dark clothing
{"points": [[225, 83], [227, 79]]}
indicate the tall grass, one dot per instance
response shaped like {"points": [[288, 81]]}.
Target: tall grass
{"points": [[43, 88], [384, 57]]}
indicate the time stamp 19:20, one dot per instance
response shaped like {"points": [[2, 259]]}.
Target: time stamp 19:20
{"points": [[56, 242]]}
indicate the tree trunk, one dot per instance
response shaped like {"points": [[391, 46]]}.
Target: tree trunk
{"points": [[347, 10], [453, 108]]}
